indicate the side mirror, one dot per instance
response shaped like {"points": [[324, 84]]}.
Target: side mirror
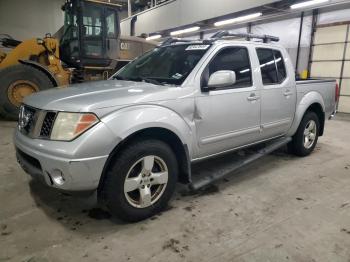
{"points": [[221, 79]]}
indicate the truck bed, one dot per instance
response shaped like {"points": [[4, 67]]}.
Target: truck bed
{"points": [[326, 88]]}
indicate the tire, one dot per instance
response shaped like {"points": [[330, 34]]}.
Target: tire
{"points": [[298, 145], [128, 206], [34, 80]]}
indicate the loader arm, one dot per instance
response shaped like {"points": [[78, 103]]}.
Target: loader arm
{"points": [[24, 51], [41, 51]]}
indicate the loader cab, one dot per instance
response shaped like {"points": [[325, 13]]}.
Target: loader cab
{"points": [[91, 34]]}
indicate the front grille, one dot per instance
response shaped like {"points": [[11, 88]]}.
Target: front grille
{"points": [[47, 125], [36, 123]]}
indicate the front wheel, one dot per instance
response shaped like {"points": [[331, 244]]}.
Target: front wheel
{"points": [[305, 139], [140, 181]]}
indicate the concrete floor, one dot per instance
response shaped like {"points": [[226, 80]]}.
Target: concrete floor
{"points": [[281, 208]]}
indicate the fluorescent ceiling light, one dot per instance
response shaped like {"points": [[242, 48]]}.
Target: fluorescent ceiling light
{"points": [[237, 19], [153, 37], [308, 3], [184, 31]]}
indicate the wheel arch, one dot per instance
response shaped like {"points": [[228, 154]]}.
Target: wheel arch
{"points": [[317, 109], [167, 136], [41, 68], [312, 101]]}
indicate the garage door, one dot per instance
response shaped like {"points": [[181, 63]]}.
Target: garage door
{"points": [[331, 59]]}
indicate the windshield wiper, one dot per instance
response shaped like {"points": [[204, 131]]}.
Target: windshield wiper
{"points": [[150, 80], [119, 78]]}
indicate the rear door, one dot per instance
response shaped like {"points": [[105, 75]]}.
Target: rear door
{"points": [[229, 117], [278, 94]]}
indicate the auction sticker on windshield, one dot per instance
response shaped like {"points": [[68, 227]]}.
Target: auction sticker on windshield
{"points": [[197, 47]]}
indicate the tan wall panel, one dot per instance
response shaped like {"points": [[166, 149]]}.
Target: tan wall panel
{"points": [[347, 55], [328, 52], [326, 69], [346, 72], [344, 104], [330, 34], [345, 87]]}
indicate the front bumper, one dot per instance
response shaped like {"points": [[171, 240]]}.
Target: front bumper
{"points": [[71, 166]]}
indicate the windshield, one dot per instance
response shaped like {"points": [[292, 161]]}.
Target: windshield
{"points": [[169, 65]]}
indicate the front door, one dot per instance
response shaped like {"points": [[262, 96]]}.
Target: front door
{"points": [[229, 117]]}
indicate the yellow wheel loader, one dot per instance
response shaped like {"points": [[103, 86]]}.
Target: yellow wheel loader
{"points": [[90, 48]]}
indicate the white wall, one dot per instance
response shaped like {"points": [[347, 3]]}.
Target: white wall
{"points": [[182, 12], [288, 32], [24, 19]]}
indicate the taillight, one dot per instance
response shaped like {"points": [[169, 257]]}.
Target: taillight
{"points": [[337, 92]]}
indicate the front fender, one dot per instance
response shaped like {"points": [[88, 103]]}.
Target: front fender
{"points": [[128, 120], [305, 102]]}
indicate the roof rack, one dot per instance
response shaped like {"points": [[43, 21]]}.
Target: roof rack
{"points": [[172, 40], [225, 35]]}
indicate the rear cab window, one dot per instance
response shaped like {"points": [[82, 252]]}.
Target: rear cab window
{"points": [[272, 67]]}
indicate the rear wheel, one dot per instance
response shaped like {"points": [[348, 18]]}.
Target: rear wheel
{"points": [[305, 139], [17, 82], [140, 181]]}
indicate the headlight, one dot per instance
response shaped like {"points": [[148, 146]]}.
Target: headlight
{"points": [[68, 126]]}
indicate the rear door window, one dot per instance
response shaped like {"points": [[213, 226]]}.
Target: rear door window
{"points": [[272, 66], [281, 69]]}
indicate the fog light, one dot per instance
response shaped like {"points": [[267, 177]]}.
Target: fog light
{"points": [[57, 177]]}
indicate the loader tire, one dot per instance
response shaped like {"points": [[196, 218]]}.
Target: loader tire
{"points": [[17, 82]]}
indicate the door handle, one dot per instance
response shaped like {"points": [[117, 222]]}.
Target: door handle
{"points": [[253, 97], [288, 93]]}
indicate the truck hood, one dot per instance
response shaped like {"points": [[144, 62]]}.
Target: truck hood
{"points": [[99, 94]]}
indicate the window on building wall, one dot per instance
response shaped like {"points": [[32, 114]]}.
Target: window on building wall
{"points": [[138, 6]]}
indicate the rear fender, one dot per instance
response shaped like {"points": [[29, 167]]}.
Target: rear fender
{"points": [[307, 100]]}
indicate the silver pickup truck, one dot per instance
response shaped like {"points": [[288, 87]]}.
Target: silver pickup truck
{"points": [[133, 137]]}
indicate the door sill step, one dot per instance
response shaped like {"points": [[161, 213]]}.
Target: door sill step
{"points": [[208, 172]]}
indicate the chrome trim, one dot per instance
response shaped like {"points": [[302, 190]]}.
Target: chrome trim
{"points": [[213, 139], [234, 149]]}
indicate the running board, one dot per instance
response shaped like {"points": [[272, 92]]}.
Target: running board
{"points": [[208, 175]]}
